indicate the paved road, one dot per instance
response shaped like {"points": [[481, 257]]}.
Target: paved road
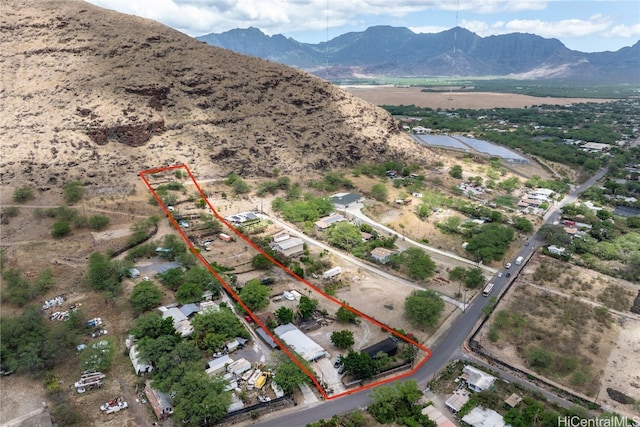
{"points": [[443, 351]]}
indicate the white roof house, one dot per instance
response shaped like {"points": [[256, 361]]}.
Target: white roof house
{"points": [[482, 417], [381, 255], [219, 365], [289, 247], [478, 380], [299, 342], [139, 366]]}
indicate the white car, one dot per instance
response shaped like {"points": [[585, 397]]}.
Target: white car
{"points": [[499, 273], [508, 265]]}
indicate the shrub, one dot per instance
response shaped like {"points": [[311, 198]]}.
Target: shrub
{"points": [[22, 194], [73, 192], [60, 229]]}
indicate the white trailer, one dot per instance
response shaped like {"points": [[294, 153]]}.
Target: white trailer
{"points": [[330, 274]]}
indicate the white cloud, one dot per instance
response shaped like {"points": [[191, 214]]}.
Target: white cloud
{"points": [[626, 31], [595, 25], [547, 18], [429, 29]]}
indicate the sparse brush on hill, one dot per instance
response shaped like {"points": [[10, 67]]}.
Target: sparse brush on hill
{"points": [[152, 96]]}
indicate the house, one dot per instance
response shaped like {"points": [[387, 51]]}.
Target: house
{"points": [[180, 321], [307, 348], [218, 365], [345, 200], [189, 309], [595, 146], [513, 400], [388, 345], [437, 417], [290, 247], [160, 402], [482, 417], [139, 366], [456, 401], [323, 223], [553, 249], [477, 380], [381, 255]]}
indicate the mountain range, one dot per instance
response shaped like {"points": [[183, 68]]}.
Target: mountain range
{"points": [[386, 51]]}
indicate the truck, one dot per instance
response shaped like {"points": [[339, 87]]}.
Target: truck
{"points": [[519, 260]]}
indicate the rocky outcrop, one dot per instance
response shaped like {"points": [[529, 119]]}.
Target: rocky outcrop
{"points": [[133, 135]]}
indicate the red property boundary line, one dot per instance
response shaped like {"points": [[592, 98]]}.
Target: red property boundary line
{"points": [[235, 296]]}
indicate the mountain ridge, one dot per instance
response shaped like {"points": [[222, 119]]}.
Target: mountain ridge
{"points": [[387, 51], [92, 94]]}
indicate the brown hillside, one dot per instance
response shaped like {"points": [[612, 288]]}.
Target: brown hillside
{"points": [[91, 93]]}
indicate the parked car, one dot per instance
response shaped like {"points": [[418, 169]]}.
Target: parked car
{"points": [[96, 321], [508, 265], [99, 333]]}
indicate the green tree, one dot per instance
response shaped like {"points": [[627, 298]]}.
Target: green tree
{"points": [[289, 375], [633, 221], [213, 329], [284, 314], [22, 194], [203, 278], [398, 403], [98, 222], [172, 278], [473, 278], [345, 315], [380, 192], [424, 308], [73, 192], [417, 262], [344, 236], [261, 262], [60, 229], [450, 224], [255, 295], [189, 292], [522, 224], [360, 365], [456, 171], [145, 296], [200, 399], [104, 274], [152, 325], [306, 306], [491, 242], [457, 273], [539, 358], [342, 339], [509, 184]]}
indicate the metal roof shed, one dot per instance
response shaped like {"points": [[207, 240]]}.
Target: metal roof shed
{"points": [[300, 343]]}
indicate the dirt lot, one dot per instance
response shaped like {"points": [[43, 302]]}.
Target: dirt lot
{"points": [[390, 95], [559, 317]]}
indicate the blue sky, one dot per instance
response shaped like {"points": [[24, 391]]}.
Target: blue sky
{"points": [[587, 26]]}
